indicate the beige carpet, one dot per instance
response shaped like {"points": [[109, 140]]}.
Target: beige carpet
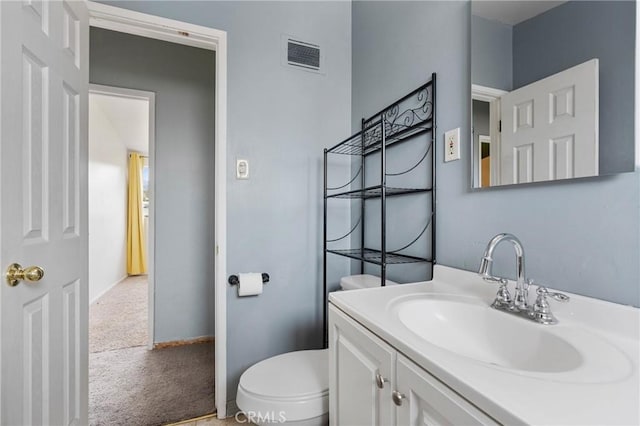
{"points": [[119, 318], [131, 385], [136, 386]]}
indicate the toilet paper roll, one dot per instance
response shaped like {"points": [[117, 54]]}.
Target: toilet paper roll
{"points": [[250, 284]]}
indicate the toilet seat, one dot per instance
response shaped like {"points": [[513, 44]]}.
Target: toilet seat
{"points": [[295, 384], [355, 282]]}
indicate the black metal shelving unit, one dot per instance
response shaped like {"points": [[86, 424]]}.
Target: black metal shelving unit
{"points": [[406, 119]]}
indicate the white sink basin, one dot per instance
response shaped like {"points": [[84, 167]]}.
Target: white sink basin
{"points": [[468, 327]]}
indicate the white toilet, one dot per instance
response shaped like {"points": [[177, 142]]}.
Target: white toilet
{"points": [[293, 388], [355, 282]]}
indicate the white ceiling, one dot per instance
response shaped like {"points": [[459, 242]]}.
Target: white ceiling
{"points": [[129, 117], [511, 12]]}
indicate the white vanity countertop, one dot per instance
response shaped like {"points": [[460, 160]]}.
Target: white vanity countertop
{"points": [[514, 396]]}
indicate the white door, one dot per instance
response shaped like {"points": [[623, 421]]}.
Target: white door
{"points": [[360, 374], [424, 400], [43, 200], [550, 127]]}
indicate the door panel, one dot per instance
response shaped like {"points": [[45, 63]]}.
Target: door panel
{"points": [[35, 83], [547, 134], [35, 365], [43, 215], [562, 157], [72, 353], [70, 162]]}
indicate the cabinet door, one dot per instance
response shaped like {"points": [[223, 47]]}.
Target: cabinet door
{"points": [[426, 401], [356, 357]]}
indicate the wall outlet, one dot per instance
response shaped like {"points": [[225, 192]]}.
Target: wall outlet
{"points": [[452, 145], [242, 169]]}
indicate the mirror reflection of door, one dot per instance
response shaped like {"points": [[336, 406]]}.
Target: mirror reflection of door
{"points": [[485, 160], [559, 63], [486, 110], [481, 132], [550, 127]]}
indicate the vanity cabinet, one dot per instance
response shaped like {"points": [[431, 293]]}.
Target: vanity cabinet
{"points": [[371, 383], [361, 367], [427, 401]]}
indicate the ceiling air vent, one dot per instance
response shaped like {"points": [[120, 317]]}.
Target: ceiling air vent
{"points": [[302, 55]]}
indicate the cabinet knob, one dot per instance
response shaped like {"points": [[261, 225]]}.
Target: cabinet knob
{"points": [[380, 381], [397, 398]]}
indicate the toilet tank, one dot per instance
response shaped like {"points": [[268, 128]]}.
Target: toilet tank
{"points": [[354, 282]]}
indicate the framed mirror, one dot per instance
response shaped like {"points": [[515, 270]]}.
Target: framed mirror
{"points": [[552, 90]]}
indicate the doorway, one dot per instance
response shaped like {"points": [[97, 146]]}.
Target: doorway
{"points": [[109, 17], [172, 379], [121, 123]]}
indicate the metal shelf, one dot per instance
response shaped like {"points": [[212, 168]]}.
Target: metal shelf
{"points": [[412, 115], [375, 256], [369, 140], [376, 192], [409, 116]]}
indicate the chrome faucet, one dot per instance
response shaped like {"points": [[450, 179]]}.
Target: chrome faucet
{"points": [[521, 299], [540, 311]]}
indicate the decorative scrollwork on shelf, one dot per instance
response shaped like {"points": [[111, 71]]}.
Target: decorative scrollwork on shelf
{"points": [[396, 122], [411, 111]]}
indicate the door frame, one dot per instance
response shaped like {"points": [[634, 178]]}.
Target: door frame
{"points": [[492, 96], [127, 21], [126, 93]]}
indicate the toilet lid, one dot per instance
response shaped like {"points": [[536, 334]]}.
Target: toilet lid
{"points": [[354, 282], [291, 375], [296, 383]]}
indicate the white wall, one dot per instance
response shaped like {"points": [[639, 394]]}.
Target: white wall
{"points": [[107, 203]]}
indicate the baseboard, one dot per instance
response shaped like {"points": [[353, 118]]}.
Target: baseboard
{"points": [[108, 288], [195, 419], [174, 343]]}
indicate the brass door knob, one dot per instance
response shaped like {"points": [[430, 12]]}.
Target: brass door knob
{"points": [[15, 274]]}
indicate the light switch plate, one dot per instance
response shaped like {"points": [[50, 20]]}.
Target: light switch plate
{"points": [[242, 169], [452, 145]]}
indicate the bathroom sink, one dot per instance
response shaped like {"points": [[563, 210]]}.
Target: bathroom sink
{"points": [[516, 370], [468, 327]]}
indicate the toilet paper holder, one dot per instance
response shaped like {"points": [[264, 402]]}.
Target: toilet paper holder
{"points": [[234, 280]]}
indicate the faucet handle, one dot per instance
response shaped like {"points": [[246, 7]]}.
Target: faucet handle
{"points": [[492, 279], [543, 292], [503, 298], [541, 310]]}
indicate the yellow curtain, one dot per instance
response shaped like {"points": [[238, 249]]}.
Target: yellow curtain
{"points": [[136, 250]]}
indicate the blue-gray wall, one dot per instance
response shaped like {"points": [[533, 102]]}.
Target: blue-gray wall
{"points": [[182, 78], [580, 236], [491, 53], [280, 119], [576, 32]]}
